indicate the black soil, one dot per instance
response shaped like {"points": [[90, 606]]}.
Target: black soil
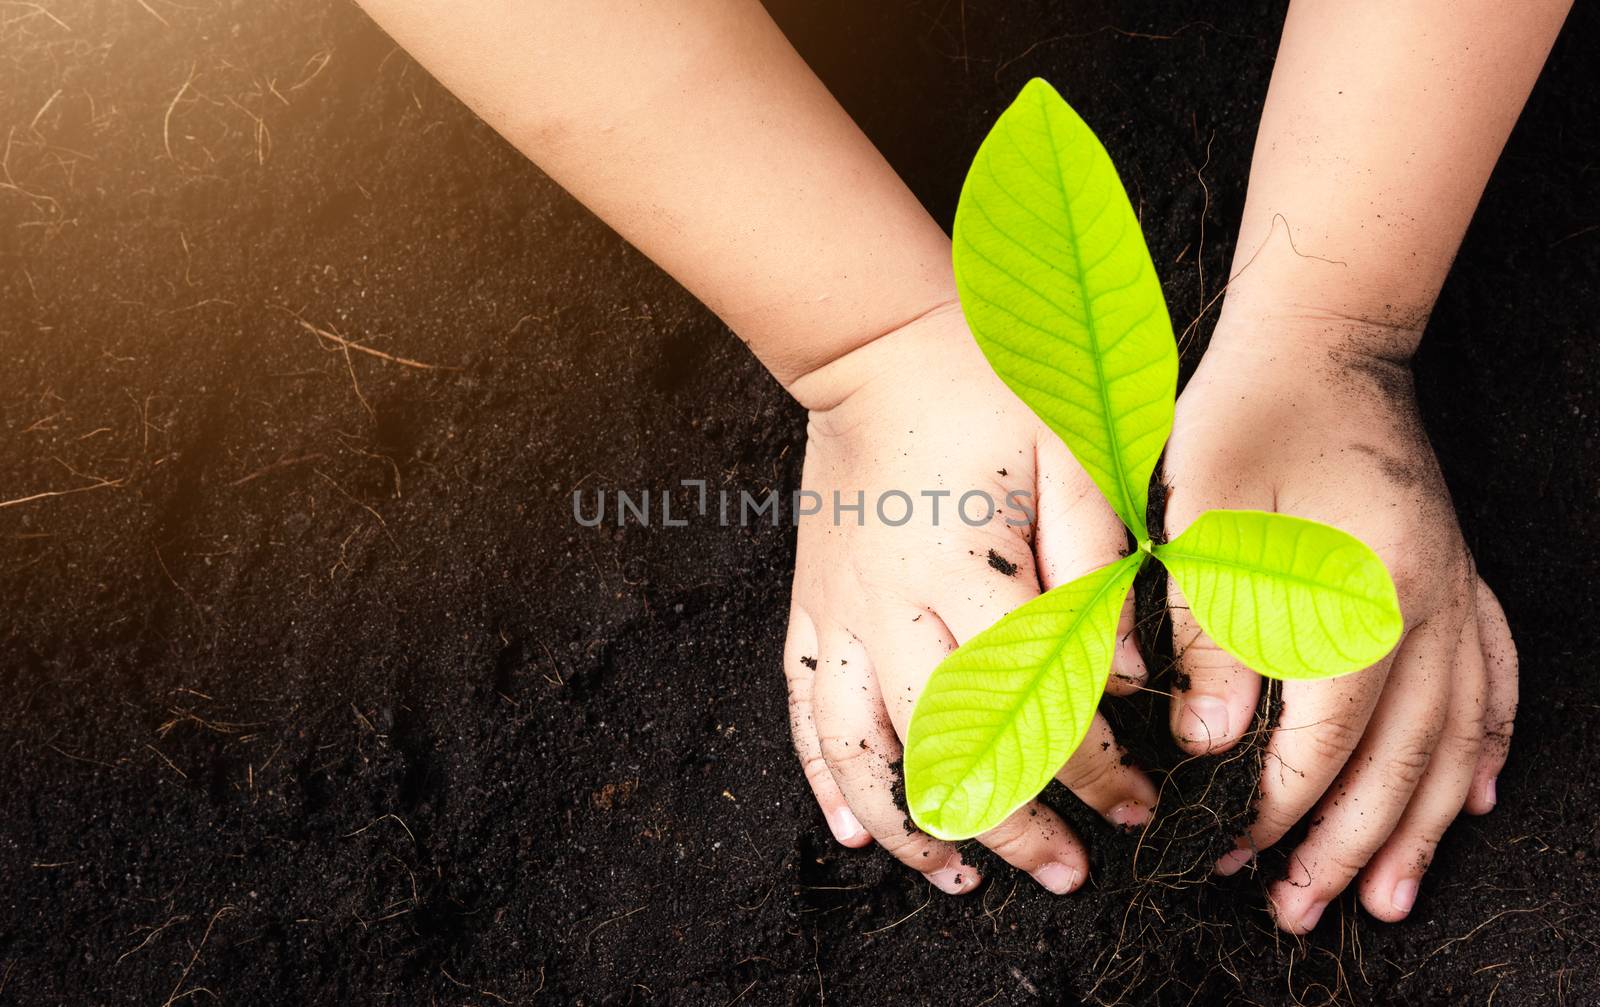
{"points": [[312, 690]]}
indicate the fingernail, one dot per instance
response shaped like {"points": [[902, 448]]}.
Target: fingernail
{"points": [[1205, 719], [844, 825], [1129, 814], [1231, 863], [1312, 915], [1489, 792], [1058, 878], [955, 878], [1404, 895]]}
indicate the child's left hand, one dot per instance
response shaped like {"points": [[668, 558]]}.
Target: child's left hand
{"points": [[1310, 418], [876, 606]]}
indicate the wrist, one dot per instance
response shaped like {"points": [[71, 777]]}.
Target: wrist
{"points": [[1294, 302], [828, 382], [1299, 330]]}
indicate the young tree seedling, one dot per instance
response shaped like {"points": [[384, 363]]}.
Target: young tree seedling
{"points": [[1059, 291]]}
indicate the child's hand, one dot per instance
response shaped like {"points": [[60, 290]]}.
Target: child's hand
{"points": [[1294, 418], [876, 607]]}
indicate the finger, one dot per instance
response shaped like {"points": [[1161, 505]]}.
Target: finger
{"points": [[1128, 673], [971, 603], [1096, 772], [1370, 797], [905, 649], [799, 667], [1319, 728], [860, 747], [1076, 534], [1214, 695], [1100, 775], [1390, 882], [1500, 711], [1035, 839]]}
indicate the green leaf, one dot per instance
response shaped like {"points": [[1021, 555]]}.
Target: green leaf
{"points": [[1002, 714], [1290, 598], [1057, 285]]}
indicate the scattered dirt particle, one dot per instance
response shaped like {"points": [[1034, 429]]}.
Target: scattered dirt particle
{"points": [[897, 793], [613, 794], [1002, 564], [809, 662]]}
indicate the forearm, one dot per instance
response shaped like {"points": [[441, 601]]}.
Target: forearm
{"points": [[1382, 123], [694, 129]]}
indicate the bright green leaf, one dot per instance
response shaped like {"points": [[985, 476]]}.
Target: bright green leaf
{"points": [[1057, 285], [1002, 714], [1290, 598]]}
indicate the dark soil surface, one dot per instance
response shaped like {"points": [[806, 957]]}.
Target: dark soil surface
{"points": [[312, 691]]}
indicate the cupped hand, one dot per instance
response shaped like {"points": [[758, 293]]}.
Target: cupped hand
{"points": [[1304, 418], [881, 596]]}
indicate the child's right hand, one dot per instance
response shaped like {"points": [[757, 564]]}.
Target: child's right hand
{"points": [[876, 607]]}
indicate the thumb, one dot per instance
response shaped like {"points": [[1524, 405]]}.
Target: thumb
{"points": [[1076, 533], [1214, 695]]}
